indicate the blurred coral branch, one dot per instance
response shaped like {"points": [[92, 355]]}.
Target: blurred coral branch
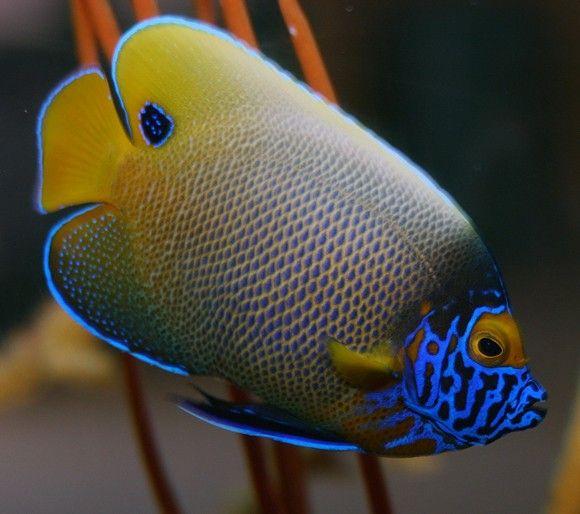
{"points": [[205, 10], [144, 9], [87, 52], [306, 49], [238, 21]]}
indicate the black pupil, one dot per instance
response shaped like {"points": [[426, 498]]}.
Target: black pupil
{"points": [[155, 124], [489, 347]]}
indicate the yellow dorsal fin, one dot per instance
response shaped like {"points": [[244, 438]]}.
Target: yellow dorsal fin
{"points": [[80, 140], [198, 75], [367, 372]]}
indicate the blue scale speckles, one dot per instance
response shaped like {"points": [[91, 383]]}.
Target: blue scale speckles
{"points": [[75, 261]]}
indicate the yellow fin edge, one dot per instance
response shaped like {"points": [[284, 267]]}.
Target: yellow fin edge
{"points": [[80, 141], [367, 372]]}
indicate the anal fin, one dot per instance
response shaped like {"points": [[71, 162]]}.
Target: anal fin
{"points": [[263, 421]]}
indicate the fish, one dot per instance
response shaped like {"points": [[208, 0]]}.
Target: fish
{"points": [[228, 221]]}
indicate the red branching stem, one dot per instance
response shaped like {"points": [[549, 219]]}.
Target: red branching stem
{"points": [[317, 77], [238, 21], [144, 434], [205, 10], [256, 462], [104, 25], [86, 46], [291, 472], [306, 49], [288, 460], [375, 486], [96, 18], [144, 9]]}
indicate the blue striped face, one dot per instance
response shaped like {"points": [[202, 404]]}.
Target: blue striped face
{"points": [[465, 370]]}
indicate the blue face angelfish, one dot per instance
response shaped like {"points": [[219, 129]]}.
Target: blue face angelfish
{"points": [[240, 226]]}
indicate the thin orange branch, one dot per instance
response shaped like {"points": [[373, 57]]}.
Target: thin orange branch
{"points": [[86, 47], [375, 486], [152, 462], [104, 25], [144, 9], [306, 49], [256, 462], [288, 460], [292, 480], [205, 10], [238, 21]]}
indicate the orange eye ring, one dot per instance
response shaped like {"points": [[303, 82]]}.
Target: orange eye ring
{"points": [[487, 349], [504, 345]]}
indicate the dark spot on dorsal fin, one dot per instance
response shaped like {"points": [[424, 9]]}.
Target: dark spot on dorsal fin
{"points": [[155, 124]]}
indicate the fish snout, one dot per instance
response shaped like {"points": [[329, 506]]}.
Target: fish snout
{"points": [[533, 401]]}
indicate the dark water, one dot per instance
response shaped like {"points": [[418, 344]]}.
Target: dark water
{"points": [[483, 97]]}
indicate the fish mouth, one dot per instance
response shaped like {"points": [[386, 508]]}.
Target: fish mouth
{"points": [[536, 402], [539, 407]]}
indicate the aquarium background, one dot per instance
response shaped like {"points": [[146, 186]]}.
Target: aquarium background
{"points": [[484, 95]]}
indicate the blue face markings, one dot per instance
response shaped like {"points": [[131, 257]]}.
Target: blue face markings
{"points": [[155, 124], [421, 429], [471, 403]]}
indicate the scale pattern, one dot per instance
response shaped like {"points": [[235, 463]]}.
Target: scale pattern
{"points": [[280, 228], [266, 222]]}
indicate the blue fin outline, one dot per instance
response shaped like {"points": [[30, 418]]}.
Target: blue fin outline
{"points": [[262, 421], [62, 302]]}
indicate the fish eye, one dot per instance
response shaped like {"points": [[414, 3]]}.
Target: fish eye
{"points": [[155, 124], [488, 347]]}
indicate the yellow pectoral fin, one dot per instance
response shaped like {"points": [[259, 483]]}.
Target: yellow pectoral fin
{"points": [[81, 140], [364, 372]]}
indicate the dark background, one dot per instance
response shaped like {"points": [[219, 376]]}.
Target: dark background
{"points": [[484, 95]]}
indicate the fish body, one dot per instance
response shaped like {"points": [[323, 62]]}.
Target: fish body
{"points": [[244, 228]]}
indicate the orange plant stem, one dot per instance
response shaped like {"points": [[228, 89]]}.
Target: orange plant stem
{"points": [[377, 496], [256, 462], [238, 21], [292, 482], [144, 9], [86, 47], [205, 10], [163, 493], [317, 77], [306, 49], [104, 25]]}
